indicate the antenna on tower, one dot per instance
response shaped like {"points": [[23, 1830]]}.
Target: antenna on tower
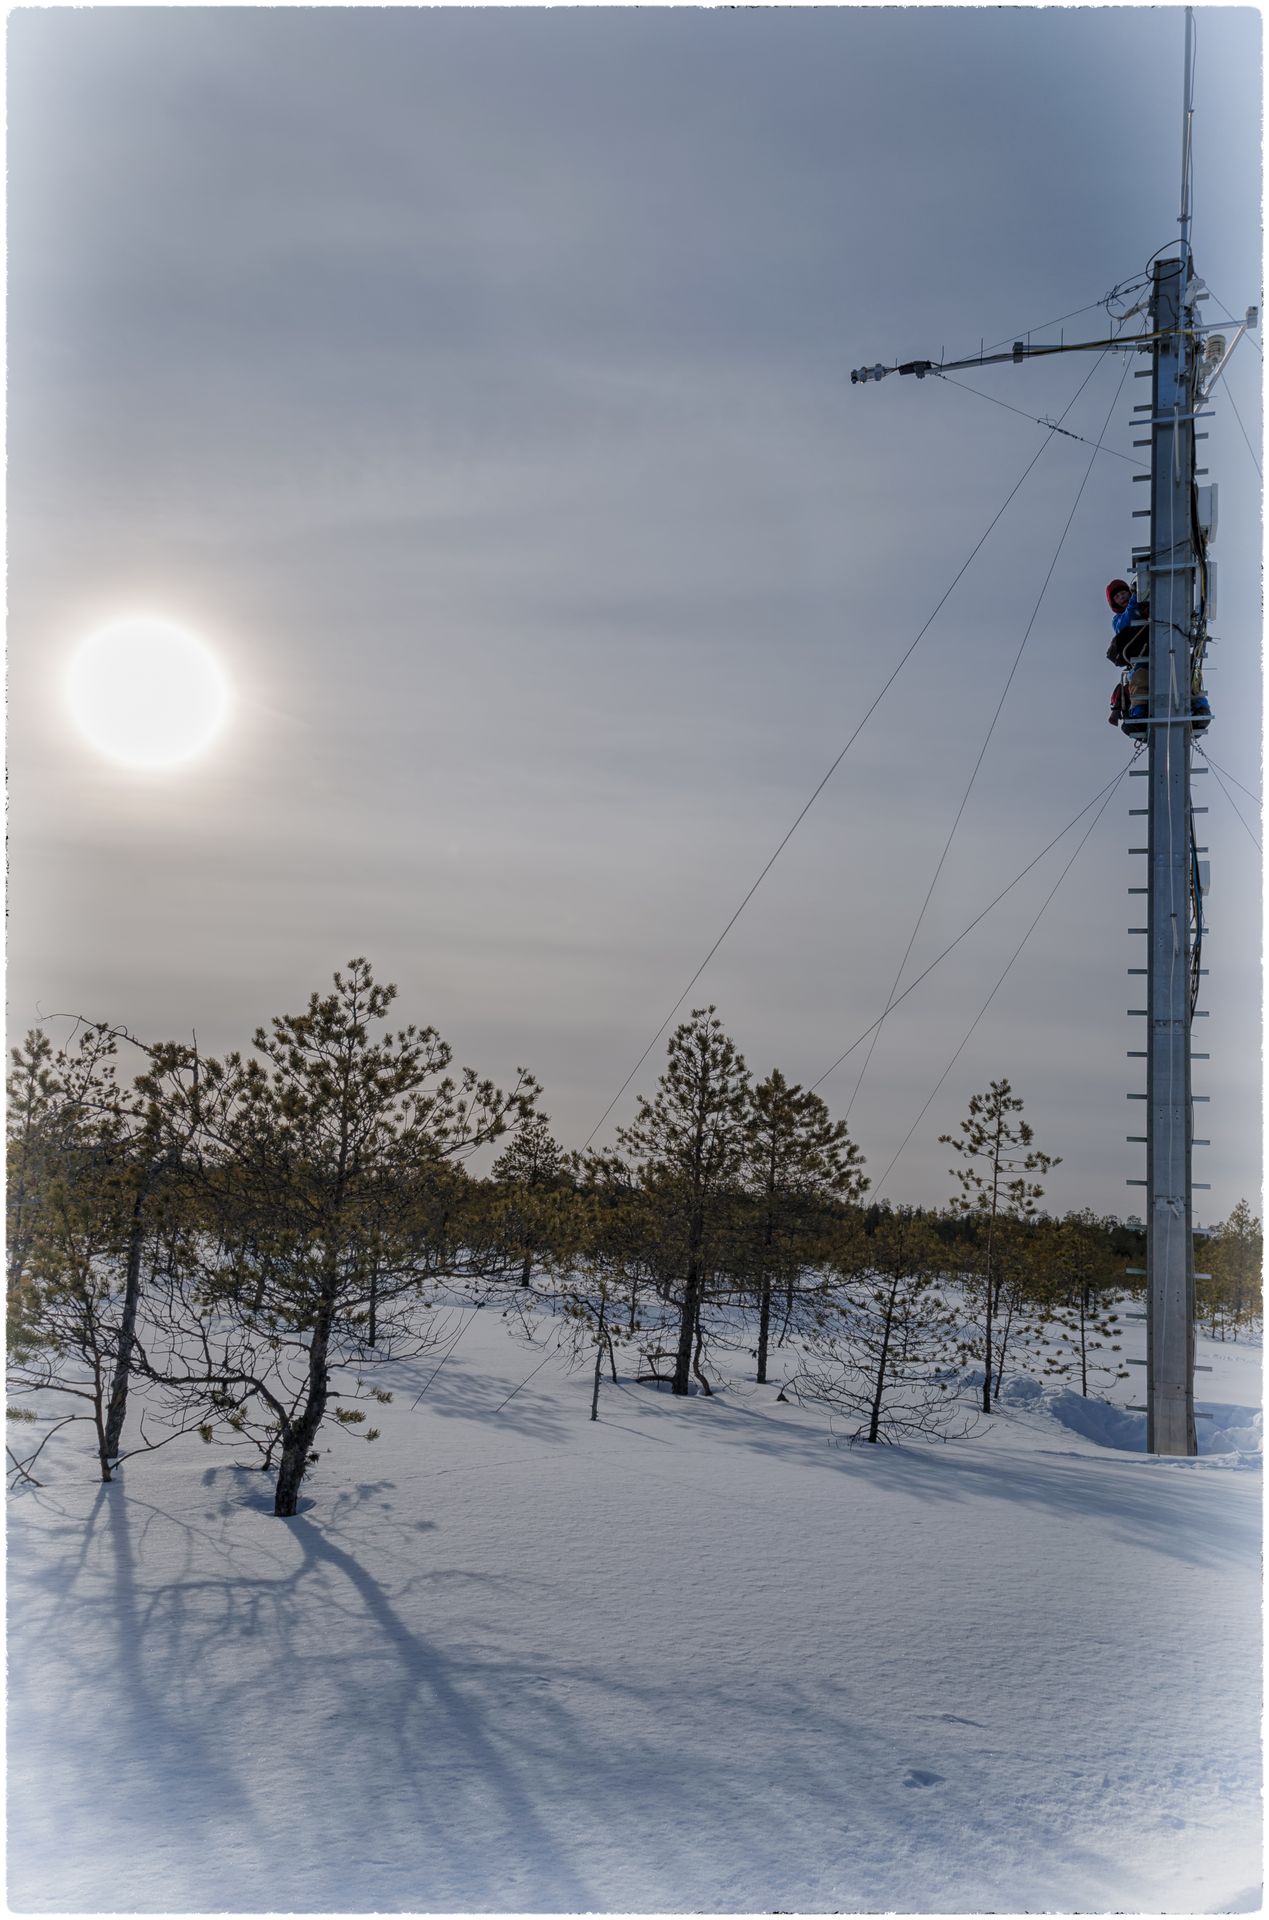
{"points": [[1187, 140]]}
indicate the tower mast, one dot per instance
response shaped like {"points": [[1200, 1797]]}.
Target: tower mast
{"points": [[1173, 575], [1167, 574]]}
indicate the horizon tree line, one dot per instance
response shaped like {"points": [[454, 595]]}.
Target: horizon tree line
{"points": [[252, 1236]]}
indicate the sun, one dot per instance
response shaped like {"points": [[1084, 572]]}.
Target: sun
{"points": [[146, 693]]}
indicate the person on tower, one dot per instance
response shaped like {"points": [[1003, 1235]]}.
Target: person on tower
{"points": [[1129, 702], [1130, 620]]}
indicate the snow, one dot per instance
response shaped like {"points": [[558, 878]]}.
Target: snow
{"points": [[693, 1657], [1232, 1430]]}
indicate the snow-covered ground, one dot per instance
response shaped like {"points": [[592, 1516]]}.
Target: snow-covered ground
{"points": [[694, 1657]]}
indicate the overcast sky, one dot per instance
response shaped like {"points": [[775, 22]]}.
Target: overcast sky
{"points": [[476, 383]]}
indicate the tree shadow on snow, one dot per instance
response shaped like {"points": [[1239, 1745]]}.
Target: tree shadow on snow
{"points": [[139, 1743], [456, 1393], [1169, 1511], [479, 1771], [520, 1773], [450, 1750]]}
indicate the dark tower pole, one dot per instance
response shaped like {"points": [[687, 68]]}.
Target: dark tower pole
{"points": [[1173, 633]]}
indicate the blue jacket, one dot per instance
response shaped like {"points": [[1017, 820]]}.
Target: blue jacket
{"points": [[1130, 617], [1132, 630]]}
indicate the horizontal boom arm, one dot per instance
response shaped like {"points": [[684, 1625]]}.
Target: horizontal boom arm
{"points": [[1019, 351]]}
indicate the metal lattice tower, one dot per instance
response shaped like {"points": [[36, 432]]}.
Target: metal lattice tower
{"points": [[1174, 577], [1167, 573]]}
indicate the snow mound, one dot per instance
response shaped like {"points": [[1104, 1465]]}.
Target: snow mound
{"points": [[1233, 1430], [1020, 1390], [1096, 1420], [1233, 1433]]}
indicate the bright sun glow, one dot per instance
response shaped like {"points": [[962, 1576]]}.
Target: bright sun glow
{"points": [[147, 693]]}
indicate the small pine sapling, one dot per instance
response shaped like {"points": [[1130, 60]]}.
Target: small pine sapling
{"points": [[997, 1158]]}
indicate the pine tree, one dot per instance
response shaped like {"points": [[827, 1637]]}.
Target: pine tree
{"points": [[590, 1302], [798, 1161], [528, 1178], [995, 1195], [688, 1145], [90, 1171], [620, 1230], [880, 1358], [68, 1210], [34, 1089], [1078, 1278], [331, 1154], [1234, 1258]]}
